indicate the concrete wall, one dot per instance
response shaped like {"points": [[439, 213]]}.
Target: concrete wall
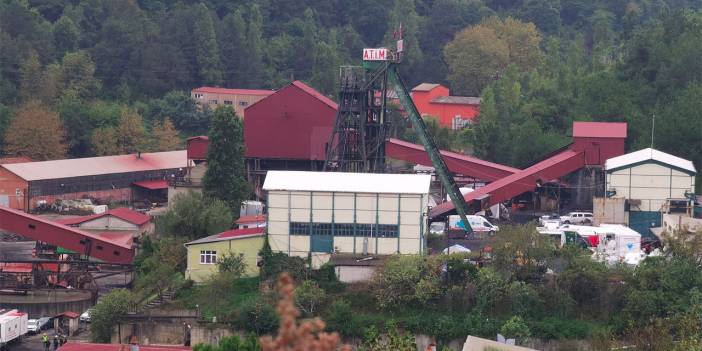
{"points": [[609, 210], [353, 274], [249, 247], [649, 183], [41, 303], [404, 210], [673, 222]]}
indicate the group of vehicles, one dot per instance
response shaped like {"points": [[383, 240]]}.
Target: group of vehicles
{"points": [[15, 325]]}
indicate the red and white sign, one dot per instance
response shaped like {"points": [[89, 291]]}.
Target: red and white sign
{"points": [[375, 54]]}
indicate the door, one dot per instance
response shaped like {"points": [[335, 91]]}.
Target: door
{"points": [[322, 243], [642, 221]]}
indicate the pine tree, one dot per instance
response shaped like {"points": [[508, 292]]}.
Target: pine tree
{"points": [[166, 137], [35, 132], [254, 48], [225, 178], [206, 48], [234, 50], [326, 66]]}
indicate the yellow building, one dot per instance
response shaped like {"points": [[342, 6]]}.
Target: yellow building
{"points": [[357, 213], [204, 253]]}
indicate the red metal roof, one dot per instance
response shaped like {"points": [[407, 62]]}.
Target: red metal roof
{"points": [[9, 160], [599, 129], [16, 267], [306, 88], [231, 234], [251, 219], [79, 167], [122, 213], [215, 90], [520, 182], [69, 314], [155, 184], [71, 346]]}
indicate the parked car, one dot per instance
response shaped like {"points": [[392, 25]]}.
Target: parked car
{"points": [[44, 323], [437, 228], [33, 326], [577, 218], [550, 220], [85, 316]]}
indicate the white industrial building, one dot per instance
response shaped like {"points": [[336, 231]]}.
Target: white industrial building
{"points": [[356, 213], [648, 179]]}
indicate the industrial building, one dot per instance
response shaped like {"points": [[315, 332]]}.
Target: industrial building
{"points": [[117, 219], [191, 179], [203, 254], [648, 180], [288, 130], [239, 99], [107, 178], [453, 112], [319, 213]]}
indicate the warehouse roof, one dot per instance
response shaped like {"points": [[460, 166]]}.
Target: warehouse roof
{"points": [[122, 213], [457, 100], [232, 234], [80, 167], [306, 88], [599, 129], [642, 156], [216, 90], [348, 182]]}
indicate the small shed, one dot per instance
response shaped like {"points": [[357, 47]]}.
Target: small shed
{"points": [[356, 268], [66, 323]]}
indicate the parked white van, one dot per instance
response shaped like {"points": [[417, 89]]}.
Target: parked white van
{"points": [[479, 224]]}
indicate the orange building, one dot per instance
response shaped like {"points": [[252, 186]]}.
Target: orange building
{"points": [[453, 112], [239, 99]]}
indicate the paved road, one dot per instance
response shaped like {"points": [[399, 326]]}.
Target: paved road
{"points": [[31, 343]]}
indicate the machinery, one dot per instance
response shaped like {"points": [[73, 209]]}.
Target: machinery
{"points": [[358, 141]]}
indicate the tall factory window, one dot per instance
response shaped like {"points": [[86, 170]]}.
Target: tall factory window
{"points": [[208, 257], [345, 229], [299, 228]]}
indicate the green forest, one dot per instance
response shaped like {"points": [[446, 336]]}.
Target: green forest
{"points": [[94, 69]]}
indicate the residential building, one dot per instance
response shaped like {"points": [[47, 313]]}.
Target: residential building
{"points": [[109, 178], [239, 99], [319, 213], [453, 112], [203, 254], [648, 179], [288, 130], [117, 219]]}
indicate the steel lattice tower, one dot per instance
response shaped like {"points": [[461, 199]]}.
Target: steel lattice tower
{"points": [[357, 143]]}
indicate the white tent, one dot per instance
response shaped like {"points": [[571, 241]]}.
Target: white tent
{"points": [[456, 249]]}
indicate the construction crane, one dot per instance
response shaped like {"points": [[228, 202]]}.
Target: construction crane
{"points": [[357, 143]]}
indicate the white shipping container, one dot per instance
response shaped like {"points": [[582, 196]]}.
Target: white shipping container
{"points": [[13, 326]]}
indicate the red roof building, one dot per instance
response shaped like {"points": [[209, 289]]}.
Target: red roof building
{"points": [[599, 140], [252, 221], [294, 123], [23, 185], [452, 111], [239, 99], [121, 213]]}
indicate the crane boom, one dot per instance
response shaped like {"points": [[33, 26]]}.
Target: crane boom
{"points": [[428, 141]]}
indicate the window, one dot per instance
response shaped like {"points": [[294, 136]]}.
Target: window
{"points": [[213, 102], [299, 228], [208, 257], [227, 102], [345, 229], [198, 95], [243, 103]]}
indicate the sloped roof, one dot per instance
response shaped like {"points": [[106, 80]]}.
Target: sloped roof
{"points": [[19, 159], [425, 87], [216, 90], [89, 166], [457, 100], [599, 129], [122, 213], [232, 234], [649, 154], [348, 182], [309, 90], [154, 184], [251, 219]]}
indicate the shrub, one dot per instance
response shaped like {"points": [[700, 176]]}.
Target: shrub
{"points": [[515, 328], [309, 296], [257, 316], [340, 317]]}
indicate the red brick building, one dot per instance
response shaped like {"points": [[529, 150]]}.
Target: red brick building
{"points": [[453, 112]]}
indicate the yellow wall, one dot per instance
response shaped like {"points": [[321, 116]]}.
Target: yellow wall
{"points": [[247, 246]]}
